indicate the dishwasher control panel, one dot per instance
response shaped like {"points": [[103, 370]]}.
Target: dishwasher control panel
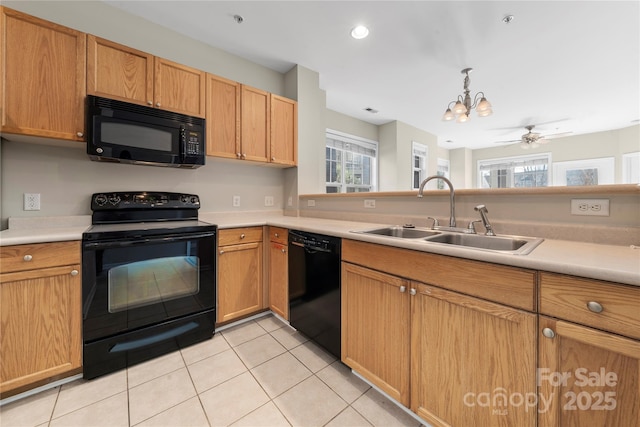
{"points": [[315, 241]]}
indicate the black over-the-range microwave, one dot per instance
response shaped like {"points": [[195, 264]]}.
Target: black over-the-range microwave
{"points": [[129, 133]]}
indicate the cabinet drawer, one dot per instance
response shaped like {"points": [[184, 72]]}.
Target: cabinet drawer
{"points": [[278, 235], [39, 255], [578, 300], [499, 283], [234, 236]]}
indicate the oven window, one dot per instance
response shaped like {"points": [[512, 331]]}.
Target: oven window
{"points": [[152, 281]]}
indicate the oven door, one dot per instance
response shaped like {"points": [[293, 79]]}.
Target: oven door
{"points": [[132, 284]]}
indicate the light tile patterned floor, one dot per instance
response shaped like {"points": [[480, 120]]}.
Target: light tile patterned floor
{"points": [[259, 373]]}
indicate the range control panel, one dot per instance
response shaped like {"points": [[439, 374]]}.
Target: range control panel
{"points": [[143, 200]]}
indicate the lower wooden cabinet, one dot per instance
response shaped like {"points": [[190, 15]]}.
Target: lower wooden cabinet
{"points": [[453, 359], [240, 290], [279, 272], [587, 377], [375, 328], [473, 362], [40, 315]]}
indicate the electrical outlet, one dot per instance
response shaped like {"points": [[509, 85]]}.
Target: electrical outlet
{"points": [[311, 203], [591, 207], [236, 201], [31, 201], [369, 203], [268, 200]]}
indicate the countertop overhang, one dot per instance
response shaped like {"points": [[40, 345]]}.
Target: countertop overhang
{"points": [[612, 263]]}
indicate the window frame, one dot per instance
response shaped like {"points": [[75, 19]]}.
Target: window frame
{"points": [[509, 177], [365, 145]]}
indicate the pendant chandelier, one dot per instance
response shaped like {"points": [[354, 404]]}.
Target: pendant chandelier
{"points": [[460, 108]]}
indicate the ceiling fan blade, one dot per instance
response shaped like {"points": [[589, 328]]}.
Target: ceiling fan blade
{"points": [[507, 142], [558, 135]]}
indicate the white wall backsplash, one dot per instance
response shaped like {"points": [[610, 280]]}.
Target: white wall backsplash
{"points": [[66, 178]]}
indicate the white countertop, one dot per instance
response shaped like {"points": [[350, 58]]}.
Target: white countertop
{"points": [[604, 262]]}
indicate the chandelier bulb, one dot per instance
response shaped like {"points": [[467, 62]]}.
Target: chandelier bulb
{"points": [[448, 115], [459, 108], [462, 118]]}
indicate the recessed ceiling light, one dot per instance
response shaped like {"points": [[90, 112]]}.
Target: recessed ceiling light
{"points": [[359, 32], [507, 19], [238, 18], [371, 110]]}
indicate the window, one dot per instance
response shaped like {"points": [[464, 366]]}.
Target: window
{"points": [[443, 170], [351, 163], [419, 159], [509, 172], [631, 168]]}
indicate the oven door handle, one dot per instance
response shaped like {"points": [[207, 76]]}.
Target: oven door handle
{"points": [[126, 243]]}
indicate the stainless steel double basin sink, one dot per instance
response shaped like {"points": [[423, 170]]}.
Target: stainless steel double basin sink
{"points": [[517, 245]]}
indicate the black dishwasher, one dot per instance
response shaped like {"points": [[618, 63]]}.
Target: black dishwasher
{"points": [[314, 287]]}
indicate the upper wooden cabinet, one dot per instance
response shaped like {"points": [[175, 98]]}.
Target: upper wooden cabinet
{"points": [[120, 72], [223, 117], [255, 125], [250, 124], [43, 77], [284, 131]]}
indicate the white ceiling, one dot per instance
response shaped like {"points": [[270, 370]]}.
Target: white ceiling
{"points": [[564, 66]]}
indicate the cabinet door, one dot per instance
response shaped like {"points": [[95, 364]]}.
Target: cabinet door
{"points": [[255, 119], [40, 312], [119, 72], [179, 88], [284, 131], [239, 280], [587, 377], [375, 328], [473, 362], [42, 66], [223, 117], [278, 279]]}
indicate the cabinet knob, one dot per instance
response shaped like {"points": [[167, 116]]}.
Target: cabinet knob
{"points": [[74, 272], [221, 251], [284, 251], [276, 234], [80, 134], [242, 236], [149, 102], [157, 104], [595, 307], [403, 288], [413, 291], [244, 155], [238, 155], [548, 332], [273, 159], [27, 258]]}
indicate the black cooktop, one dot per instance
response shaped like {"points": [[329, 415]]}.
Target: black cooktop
{"points": [[133, 214]]}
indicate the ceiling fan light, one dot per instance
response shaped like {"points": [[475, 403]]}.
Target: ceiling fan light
{"points": [[448, 115], [524, 145], [462, 118], [484, 105], [459, 108]]}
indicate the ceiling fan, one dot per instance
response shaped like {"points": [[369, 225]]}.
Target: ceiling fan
{"points": [[533, 139]]}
